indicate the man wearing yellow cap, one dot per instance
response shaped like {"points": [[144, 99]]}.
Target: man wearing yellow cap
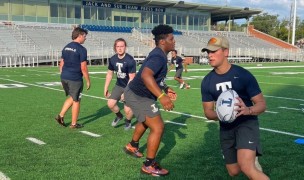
{"points": [[240, 139]]}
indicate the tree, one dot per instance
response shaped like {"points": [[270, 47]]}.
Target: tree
{"points": [[265, 23]]}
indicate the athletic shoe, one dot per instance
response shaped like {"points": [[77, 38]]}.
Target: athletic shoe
{"points": [[115, 121], [76, 126], [181, 86], [257, 164], [60, 120], [133, 151], [154, 169], [188, 86], [128, 126]]}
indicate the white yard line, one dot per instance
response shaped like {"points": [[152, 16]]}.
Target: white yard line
{"points": [[282, 132], [171, 122], [175, 112], [296, 109], [35, 140], [271, 112], [90, 133]]}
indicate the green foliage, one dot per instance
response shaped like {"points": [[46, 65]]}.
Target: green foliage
{"points": [[265, 22], [282, 29]]}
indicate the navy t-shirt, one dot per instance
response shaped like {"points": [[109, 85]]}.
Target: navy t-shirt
{"points": [[178, 62], [122, 67], [73, 54], [238, 79], [157, 62]]}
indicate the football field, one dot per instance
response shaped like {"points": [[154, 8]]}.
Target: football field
{"points": [[34, 146]]}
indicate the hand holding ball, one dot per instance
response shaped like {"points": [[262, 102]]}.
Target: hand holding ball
{"points": [[225, 108]]}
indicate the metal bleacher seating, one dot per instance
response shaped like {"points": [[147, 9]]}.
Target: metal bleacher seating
{"points": [[45, 42]]}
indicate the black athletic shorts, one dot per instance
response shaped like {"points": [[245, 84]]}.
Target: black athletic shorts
{"points": [[72, 88], [244, 136]]}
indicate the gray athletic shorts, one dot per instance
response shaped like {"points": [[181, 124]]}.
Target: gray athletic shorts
{"points": [[116, 93], [141, 106], [245, 136], [72, 88], [179, 73]]}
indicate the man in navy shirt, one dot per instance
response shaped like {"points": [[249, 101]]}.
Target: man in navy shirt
{"points": [[141, 95], [240, 139], [73, 66], [125, 67], [177, 62]]}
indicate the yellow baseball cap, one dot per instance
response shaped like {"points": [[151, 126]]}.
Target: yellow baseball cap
{"points": [[216, 43]]}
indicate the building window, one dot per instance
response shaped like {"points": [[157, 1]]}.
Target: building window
{"points": [[54, 10]]}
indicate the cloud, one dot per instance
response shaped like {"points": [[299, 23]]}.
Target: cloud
{"points": [[272, 7]]}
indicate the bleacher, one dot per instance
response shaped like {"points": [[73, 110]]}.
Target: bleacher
{"points": [[23, 43]]}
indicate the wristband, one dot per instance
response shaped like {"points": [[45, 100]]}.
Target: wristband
{"points": [[161, 95]]}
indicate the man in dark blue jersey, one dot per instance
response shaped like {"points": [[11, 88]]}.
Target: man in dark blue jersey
{"points": [[125, 67], [141, 95], [177, 62], [240, 140], [73, 66]]}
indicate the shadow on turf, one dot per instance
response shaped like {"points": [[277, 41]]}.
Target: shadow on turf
{"points": [[93, 117], [168, 138]]}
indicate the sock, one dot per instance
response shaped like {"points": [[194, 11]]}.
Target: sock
{"points": [[119, 114], [149, 161], [128, 121], [134, 143]]}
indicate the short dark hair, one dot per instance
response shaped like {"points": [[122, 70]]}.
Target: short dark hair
{"points": [[175, 51], [78, 31], [117, 40], [161, 32]]}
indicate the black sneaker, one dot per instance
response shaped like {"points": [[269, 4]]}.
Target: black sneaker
{"points": [[128, 126], [76, 126], [116, 120], [60, 120]]}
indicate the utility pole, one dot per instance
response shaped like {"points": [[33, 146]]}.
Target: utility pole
{"points": [[289, 22], [294, 22]]}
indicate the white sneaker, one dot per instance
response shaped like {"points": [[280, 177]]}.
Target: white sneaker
{"points": [[181, 85], [115, 121]]}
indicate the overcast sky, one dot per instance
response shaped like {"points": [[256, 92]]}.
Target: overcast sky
{"points": [[272, 7]]}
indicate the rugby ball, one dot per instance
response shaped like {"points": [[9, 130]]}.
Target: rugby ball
{"points": [[225, 108]]}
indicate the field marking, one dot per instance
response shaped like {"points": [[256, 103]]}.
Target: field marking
{"points": [[3, 176], [90, 133], [171, 122], [211, 121], [175, 112], [272, 112], [281, 84], [289, 73], [184, 114], [35, 140], [286, 98], [296, 109], [29, 84], [282, 132]]}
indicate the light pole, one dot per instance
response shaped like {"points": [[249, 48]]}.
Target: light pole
{"points": [[294, 22]]}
